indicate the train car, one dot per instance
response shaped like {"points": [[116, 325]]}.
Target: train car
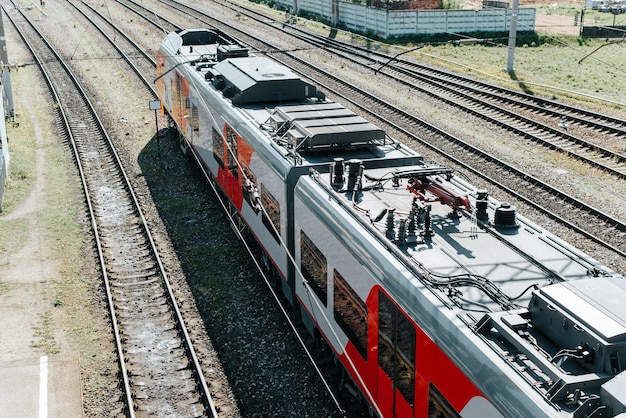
{"points": [[438, 300]]}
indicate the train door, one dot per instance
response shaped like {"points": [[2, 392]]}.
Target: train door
{"points": [[192, 126], [177, 111], [226, 153], [396, 360]]}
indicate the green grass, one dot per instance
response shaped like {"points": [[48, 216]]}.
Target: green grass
{"points": [[12, 236], [44, 335], [57, 208], [60, 232], [20, 183], [22, 166], [567, 67]]}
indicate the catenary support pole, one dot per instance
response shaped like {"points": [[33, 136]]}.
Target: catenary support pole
{"points": [[512, 38]]}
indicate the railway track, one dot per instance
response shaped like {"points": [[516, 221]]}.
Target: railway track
{"points": [[151, 17], [159, 370], [579, 216], [512, 112], [140, 62], [144, 66]]}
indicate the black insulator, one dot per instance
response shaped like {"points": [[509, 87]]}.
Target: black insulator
{"points": [[417, 208], [482, 201], [354, 168], [337, 172], [354, 172], [428, 230], [402, 231], [506, 216], [391, 224], [411, 236]]}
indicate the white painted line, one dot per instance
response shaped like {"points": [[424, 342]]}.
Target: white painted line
{"points": [[43, 387]]}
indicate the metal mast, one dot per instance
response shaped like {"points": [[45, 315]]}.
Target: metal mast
{"points": [[512, 37]]}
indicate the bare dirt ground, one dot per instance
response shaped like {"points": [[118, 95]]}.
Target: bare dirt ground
{"points": [[32, 321], [544, 22], [29, 270], [553, 23]]}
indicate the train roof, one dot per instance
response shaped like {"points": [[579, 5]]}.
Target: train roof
{"points": [[550, 312], [293, 113], [470, 234], [249, 80]]}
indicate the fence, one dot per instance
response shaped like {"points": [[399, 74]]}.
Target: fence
{"points": [[388, 23], [604, 31]]}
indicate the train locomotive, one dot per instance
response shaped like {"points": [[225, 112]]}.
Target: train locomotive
{"points": [[438, 300]]}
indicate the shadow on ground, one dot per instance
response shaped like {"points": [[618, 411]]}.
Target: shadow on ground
{"points": [[238, 310], [525, 88]]}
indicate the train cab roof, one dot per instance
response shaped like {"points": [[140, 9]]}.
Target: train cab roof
{"points": [[247, 80], [296, 117]]}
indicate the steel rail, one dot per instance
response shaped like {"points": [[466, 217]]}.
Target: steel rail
{"points": [[68, 132], [146, 81], [128, 187]]}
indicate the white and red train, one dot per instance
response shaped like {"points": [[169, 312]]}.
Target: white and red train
{"points": [[438, 300]]}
